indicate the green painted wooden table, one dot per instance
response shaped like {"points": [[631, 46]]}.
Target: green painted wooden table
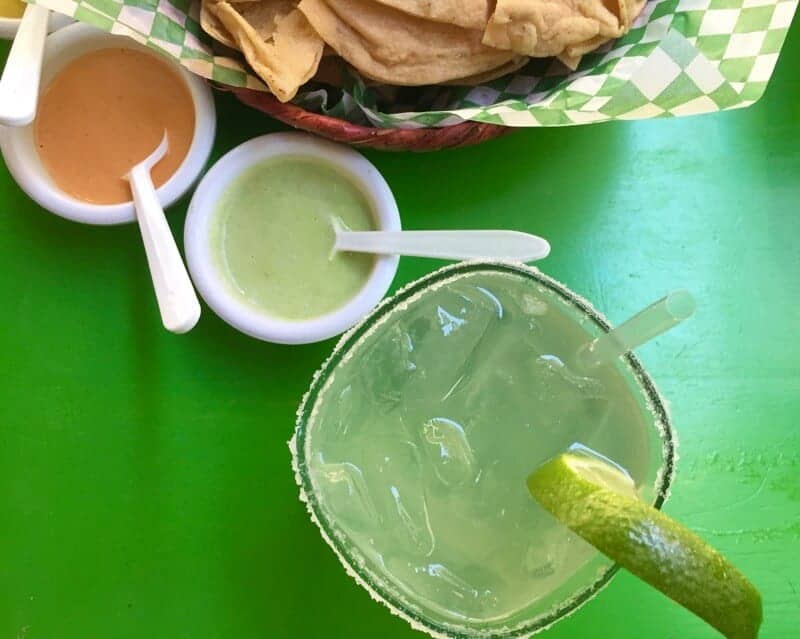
{"points": [[145, 488]]}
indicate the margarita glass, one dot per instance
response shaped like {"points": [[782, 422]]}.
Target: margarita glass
{"points": [[415, 439]]}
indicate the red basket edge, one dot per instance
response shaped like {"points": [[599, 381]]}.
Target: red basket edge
{"points": [[426, 139]]}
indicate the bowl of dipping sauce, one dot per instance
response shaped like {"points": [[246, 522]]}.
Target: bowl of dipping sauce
{"points": [[104, 106], [11, 15], [259, 238]]}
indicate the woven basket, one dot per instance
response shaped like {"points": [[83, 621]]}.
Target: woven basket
{"points": [[428, 139]]}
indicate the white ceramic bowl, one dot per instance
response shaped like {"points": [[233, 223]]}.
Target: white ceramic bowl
{"points": [[213, 285], [9, 26], [19, 148]]}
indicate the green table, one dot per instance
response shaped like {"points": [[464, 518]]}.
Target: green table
{"points": [[145, 488]]}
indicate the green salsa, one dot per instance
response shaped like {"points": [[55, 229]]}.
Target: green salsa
{"points": [[272, 237]]}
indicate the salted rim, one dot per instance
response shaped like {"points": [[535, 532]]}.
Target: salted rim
{"points": [[377, 588]]}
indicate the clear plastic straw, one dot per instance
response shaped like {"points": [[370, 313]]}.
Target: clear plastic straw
{"points": [[642, 327]]}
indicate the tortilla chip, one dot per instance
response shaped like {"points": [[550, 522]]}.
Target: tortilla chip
{"points": [[276, 40], [263, 15], [570, 61], [481, 78], [469, 14], [628, 10], [213, 27], [390, 46], [541, 28]]}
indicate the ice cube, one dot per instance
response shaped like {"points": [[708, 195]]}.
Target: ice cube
{"points": [[342, 411], [489, 486], [584, 387], [444, 336], [391, 362], [462, 305], [464, 595], [539, 562], [463, 311], [418, 329], [449, 452], [445, 589], [554, 556], [527, 303], [448, 322], [532, 305], [397, 488], [344, 490], [570, 406], [492, 368]]}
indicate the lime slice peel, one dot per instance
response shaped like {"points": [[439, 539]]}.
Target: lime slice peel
{"points": [[597, 501]]}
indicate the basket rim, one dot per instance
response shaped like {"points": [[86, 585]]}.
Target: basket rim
{"points": [[420, 138]]}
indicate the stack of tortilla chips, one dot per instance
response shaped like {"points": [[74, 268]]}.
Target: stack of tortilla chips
{"points": [[410, 42]]}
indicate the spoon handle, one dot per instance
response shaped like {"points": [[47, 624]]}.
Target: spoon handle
{"points": [[449, 245], [177, 300], [19, 85]]}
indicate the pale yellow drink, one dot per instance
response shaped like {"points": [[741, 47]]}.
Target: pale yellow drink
{"points": [[417, 446]]}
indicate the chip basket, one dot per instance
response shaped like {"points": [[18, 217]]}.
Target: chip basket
{"points": [[418, 139], [680, 58]]}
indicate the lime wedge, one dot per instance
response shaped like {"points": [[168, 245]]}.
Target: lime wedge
{"points": [[596, 500]]}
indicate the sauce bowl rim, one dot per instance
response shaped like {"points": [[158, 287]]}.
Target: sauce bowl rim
{"points": [[18, 143], [9, 26], [216, 291]]}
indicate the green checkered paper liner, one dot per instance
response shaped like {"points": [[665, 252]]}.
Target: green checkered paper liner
{"points": [[682, 57]]}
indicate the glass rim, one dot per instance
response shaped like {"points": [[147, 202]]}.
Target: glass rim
{"points": [[363, 575]]}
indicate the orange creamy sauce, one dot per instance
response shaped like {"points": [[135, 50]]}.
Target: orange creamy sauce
{"points": [[106, 111]]}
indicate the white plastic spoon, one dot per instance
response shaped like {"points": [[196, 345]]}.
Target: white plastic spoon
{"points": [[19, 85], [177, 300], [448, 245]]}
